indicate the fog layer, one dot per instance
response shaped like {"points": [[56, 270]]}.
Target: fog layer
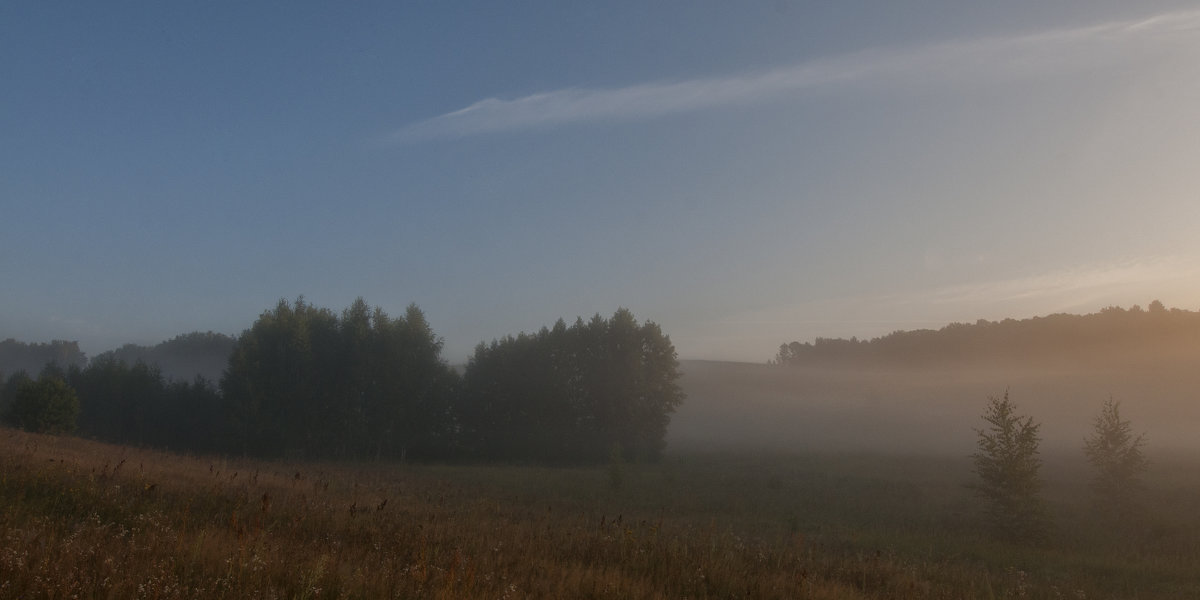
{"points": [[925, 410]]}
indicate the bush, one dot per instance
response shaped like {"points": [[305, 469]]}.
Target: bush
{"points": [[47, 405]]}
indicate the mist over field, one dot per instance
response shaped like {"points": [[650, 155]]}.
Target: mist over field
{"points": [[915, 392], [586, 460], [632, 270], [750, 406]]}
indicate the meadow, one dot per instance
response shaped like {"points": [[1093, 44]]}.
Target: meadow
{"points": [[83, 519]]}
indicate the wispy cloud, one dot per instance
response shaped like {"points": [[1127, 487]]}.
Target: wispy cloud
{"points": [[985, 57], [748, 335], [1085, 287], [1066, 288]]}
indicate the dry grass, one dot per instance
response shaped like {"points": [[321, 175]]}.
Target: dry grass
{"points": [[87, 520]]}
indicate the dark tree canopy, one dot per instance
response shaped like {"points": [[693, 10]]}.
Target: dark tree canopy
{"points": [[8, 393], [47, 405], [306, 381], [572, 393], [135, 404]]}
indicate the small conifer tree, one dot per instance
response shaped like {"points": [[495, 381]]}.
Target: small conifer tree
{"points": [[1008, 466], [1118, 459]]}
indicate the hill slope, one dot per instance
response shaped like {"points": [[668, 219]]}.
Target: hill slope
{"points": [[1113, 336]]}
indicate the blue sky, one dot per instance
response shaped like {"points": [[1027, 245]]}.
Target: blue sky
{"points": [[744, 174]]}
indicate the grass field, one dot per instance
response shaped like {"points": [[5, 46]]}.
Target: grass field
{"points": [[87, 520]]}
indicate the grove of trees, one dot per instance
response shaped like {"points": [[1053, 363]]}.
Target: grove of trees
{"points": [[123, 403], [136, 404], [306, 382], [575, 393]]}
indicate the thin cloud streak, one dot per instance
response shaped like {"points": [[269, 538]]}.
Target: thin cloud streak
{"points": [[986, 57], [1054, 291], [1086, 288], [1069, 287]]}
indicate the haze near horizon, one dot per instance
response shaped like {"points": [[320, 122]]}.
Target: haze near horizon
{"points": [[743, 175]]}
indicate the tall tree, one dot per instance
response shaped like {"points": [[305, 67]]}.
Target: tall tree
{"points": [[1008, 466], [1119, 461], [406, 386], [277, 386]]}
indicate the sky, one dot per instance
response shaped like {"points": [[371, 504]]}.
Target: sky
{"points": [[742, 173]]}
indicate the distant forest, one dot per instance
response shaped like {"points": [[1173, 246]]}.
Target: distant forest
{"points": [[182, 357], [1113, 335], [20, 356], [307, 382]]}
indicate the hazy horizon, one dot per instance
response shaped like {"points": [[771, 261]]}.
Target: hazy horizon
{"points": [[769, 355], [742, 175]]}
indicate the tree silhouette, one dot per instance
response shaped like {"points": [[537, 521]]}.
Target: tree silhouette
{"points": [[571, 393], [1008, 467], [304, 381], [8, 393], [1118, 459], [47, 405], [135, 404], [1114, 333]]}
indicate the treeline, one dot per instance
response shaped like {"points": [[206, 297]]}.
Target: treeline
{"points": [[577, 393], [1113, 334], [20, 356], [305, 382], [181, 358], [115, 401]]}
